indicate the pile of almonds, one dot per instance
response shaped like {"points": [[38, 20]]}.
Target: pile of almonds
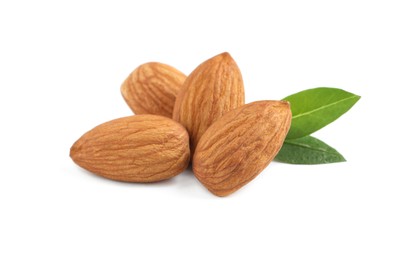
{"points": [[201, 119]]}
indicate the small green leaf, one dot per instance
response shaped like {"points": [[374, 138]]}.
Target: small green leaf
{"points": [[313, 109], [308, 150]]}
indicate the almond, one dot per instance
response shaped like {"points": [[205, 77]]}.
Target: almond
{"points": [[238, 146], [212, 89], [152, 89], [141, 148]]}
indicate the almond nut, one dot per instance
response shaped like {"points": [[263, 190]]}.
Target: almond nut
{"points": [[238, 146], [152, 89], [212, 89], [141, 148]]}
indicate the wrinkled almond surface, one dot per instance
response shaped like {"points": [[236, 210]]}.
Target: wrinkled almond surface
{"points": [[141, 148], [152, 89], [238, 146], [212, 89]]}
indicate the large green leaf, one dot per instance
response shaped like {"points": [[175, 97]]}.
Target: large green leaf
{"points": [[308, 150], [313, 109]]}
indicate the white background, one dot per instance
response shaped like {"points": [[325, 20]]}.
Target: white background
{"points": [[61, 66]]}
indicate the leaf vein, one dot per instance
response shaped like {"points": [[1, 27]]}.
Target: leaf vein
{"points": [[323, 107]]}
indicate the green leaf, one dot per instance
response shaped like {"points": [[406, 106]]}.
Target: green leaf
{"points": [[308, 150], [313, 109]]}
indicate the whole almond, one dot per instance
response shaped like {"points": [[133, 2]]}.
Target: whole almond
{"points": [[152, 89], [212, 89], [238, 146], [141, 148]]}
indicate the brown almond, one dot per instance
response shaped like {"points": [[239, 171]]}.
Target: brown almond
{"points": [[141, 148], [212, 89], [152, 89], [238, 146]]}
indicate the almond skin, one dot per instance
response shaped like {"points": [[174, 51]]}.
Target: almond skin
{"points": [[212, 89], [152, 89], [238, 146], [141, 148]]}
